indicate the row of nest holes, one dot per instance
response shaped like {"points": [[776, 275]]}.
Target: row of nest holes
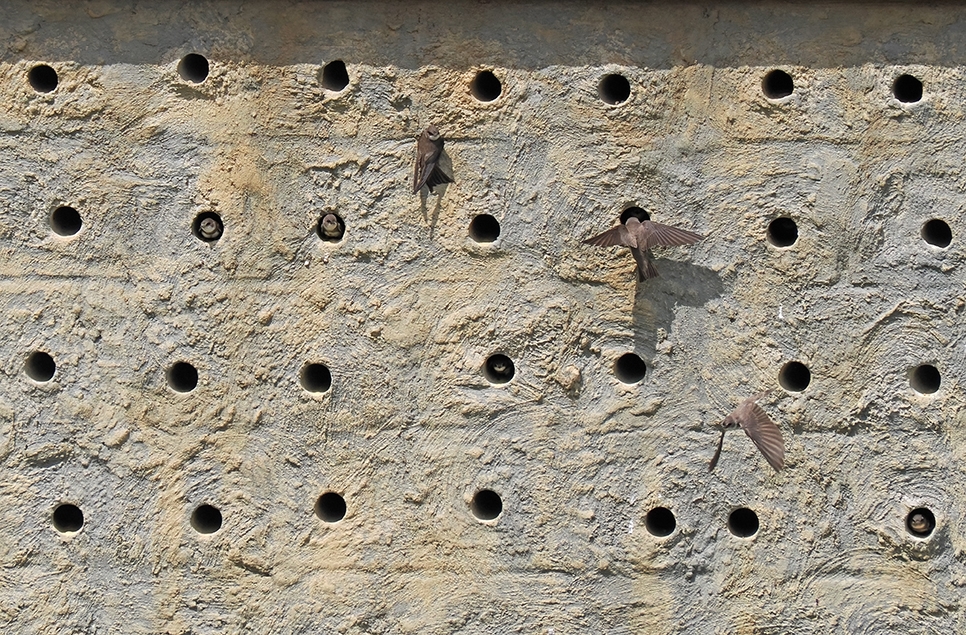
{"points": [[613, 89], [497, 369], [329, 507], [485, 505], [484, 228], [783, 232]]}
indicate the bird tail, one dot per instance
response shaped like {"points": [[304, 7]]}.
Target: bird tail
{"points": [[648, 271]]}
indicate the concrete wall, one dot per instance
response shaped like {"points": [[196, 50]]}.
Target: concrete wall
{"points": [[405, 310]]}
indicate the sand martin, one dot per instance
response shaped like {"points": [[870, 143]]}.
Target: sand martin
{"points": [[763, 432], [640, 236], [428, 150]]}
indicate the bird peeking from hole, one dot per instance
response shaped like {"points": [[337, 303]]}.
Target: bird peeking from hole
{"points": [[640, 236], [429, 148], [763, 432], [331, 227]]}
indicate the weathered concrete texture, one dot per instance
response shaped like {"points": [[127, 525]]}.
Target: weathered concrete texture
{"points": [[406, 308]]}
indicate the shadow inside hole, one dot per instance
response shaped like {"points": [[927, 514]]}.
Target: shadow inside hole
{"points": [[315, 377], [498, 369], [907, 89], [193, 68], [614, 89], [484, 228], [65, 221], [777, 84], [660, 522], [936, 233], [330, 507], [335, 76], [182, 377], [68, 518], [794, 376], [330, 228], [206, 519], [782, 232], [630, 368], [485, 86], [42, 78], [40, 366], [743, 522], [920, 522], [636, 212], [486, 505], [208, 227], [925, 379]]}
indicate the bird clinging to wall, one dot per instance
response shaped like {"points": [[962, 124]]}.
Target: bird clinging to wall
{"points": [[428, 150]]}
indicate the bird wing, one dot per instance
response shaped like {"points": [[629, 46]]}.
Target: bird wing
{"points": [[667, 236], [764, 433], [613, 236], [437, 177]]}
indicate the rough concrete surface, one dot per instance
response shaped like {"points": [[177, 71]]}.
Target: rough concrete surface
{"points": [[405, 310]]}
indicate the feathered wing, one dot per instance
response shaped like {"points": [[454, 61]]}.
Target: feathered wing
{"points": [[667, 236], [437, 177], [764, 434], [717, 453], [613, 236]]}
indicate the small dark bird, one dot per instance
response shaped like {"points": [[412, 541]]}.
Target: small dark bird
{"points": [[640, 236], [428, 149], [763, 432], [332, 227]]}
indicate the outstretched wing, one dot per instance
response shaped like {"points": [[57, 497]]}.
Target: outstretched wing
{"points": [[764, 433], [667, 236], [613, 236]]}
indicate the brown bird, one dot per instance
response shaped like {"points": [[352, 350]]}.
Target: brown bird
{"points": [[428, 150], [640, 236], [763, 432]]}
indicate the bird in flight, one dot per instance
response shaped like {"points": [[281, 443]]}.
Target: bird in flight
{"points": [[428, 150], [763, 432], [640, 236]]}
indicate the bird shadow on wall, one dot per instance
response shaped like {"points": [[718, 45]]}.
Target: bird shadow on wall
{"points": [[432, 217], [680, 283]]}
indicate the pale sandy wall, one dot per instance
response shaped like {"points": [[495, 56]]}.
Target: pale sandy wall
{"points": [[405, 310]]}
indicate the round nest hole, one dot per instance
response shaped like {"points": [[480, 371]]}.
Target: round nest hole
{"points": [[486, 87], [782, 232], [68, 518], [330, 507], [182, 377], [660, 522], [193, 68], [486, 505], [40, 366], [315, 377], [777, 84], [630, 368], [206, 519], [743, 523], [65, 221], [614, 89], [925, 379]]}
